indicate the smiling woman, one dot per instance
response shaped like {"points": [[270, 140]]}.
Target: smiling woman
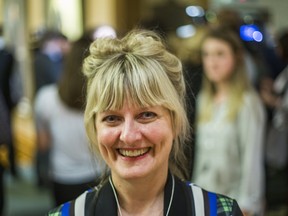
{"points": [[112, 82], [136, 120], [135, 136]]}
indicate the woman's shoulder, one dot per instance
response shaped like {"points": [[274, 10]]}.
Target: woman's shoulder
{"points": [[68, 208], [47, 90], [45, 95], [203, 202], [252, 103], [252, 97], [216, 204]]}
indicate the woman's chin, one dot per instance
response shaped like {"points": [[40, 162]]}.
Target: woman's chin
{"points": [[133, 173]]}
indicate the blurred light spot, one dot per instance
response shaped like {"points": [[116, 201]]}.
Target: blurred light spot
{"points": [[104, 31], [257, 36], [248, 19], [211, 17], [195, 11], [186, 31], [250, 33]]}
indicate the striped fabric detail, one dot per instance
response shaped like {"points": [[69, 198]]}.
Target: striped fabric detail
{"points": [[80, 205], [205, 203], [198, 200], [72, 208]]}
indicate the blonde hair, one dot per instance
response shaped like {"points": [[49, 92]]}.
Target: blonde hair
{"points": [[238, 81], [137, 67]]}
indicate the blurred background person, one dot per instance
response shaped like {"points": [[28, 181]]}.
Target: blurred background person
{"points": [[49, 57], [230, 125], [60, 129], [48, 66], [5, 139], [6, 72], [274, 93]]}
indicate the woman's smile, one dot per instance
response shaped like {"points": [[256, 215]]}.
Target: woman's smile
{"points": [[133, 153]]}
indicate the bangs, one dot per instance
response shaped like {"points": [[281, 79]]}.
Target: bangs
{"points": [[142, 81]]}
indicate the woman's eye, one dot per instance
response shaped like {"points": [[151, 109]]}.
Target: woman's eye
{"points": [[147, 115], [220, 53], [111, 119]]}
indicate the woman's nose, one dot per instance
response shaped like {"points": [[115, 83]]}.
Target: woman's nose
{"points": [[130, 132]]}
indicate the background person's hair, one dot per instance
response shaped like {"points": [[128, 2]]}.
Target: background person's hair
{"points": [[283, 45], [140, 68], [72, 84], [238, 81], [230, 18], [51, 35]]}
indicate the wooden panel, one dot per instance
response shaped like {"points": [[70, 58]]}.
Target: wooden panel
{"points": [[99, 12], [127, 14]]}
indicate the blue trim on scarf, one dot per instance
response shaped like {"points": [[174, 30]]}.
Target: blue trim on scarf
{"points": [[65, 209], [212, 203]]}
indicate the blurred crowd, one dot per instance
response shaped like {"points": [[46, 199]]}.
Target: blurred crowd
{"points": [[237, 103]]}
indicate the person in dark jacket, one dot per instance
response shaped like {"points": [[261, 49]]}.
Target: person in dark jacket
{"points": [[7, 62], [5, 139]]}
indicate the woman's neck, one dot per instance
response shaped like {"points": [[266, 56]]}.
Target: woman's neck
{"points": [[143, 207], [141, 196], [222, 90]]}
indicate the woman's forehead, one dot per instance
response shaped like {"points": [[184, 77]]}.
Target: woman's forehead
{"points": [[130, 103]]}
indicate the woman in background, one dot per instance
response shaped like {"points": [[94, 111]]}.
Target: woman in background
{"points": [[230, 125], [59, 111]]}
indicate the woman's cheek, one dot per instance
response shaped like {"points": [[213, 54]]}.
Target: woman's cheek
{"points": [[107, 136]]}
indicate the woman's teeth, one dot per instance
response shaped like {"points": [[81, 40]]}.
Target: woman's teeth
{"points": [[133, 153]]}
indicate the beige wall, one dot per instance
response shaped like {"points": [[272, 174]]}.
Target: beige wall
{"points": [[36, 15], [98, 12], [1, 12]]}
